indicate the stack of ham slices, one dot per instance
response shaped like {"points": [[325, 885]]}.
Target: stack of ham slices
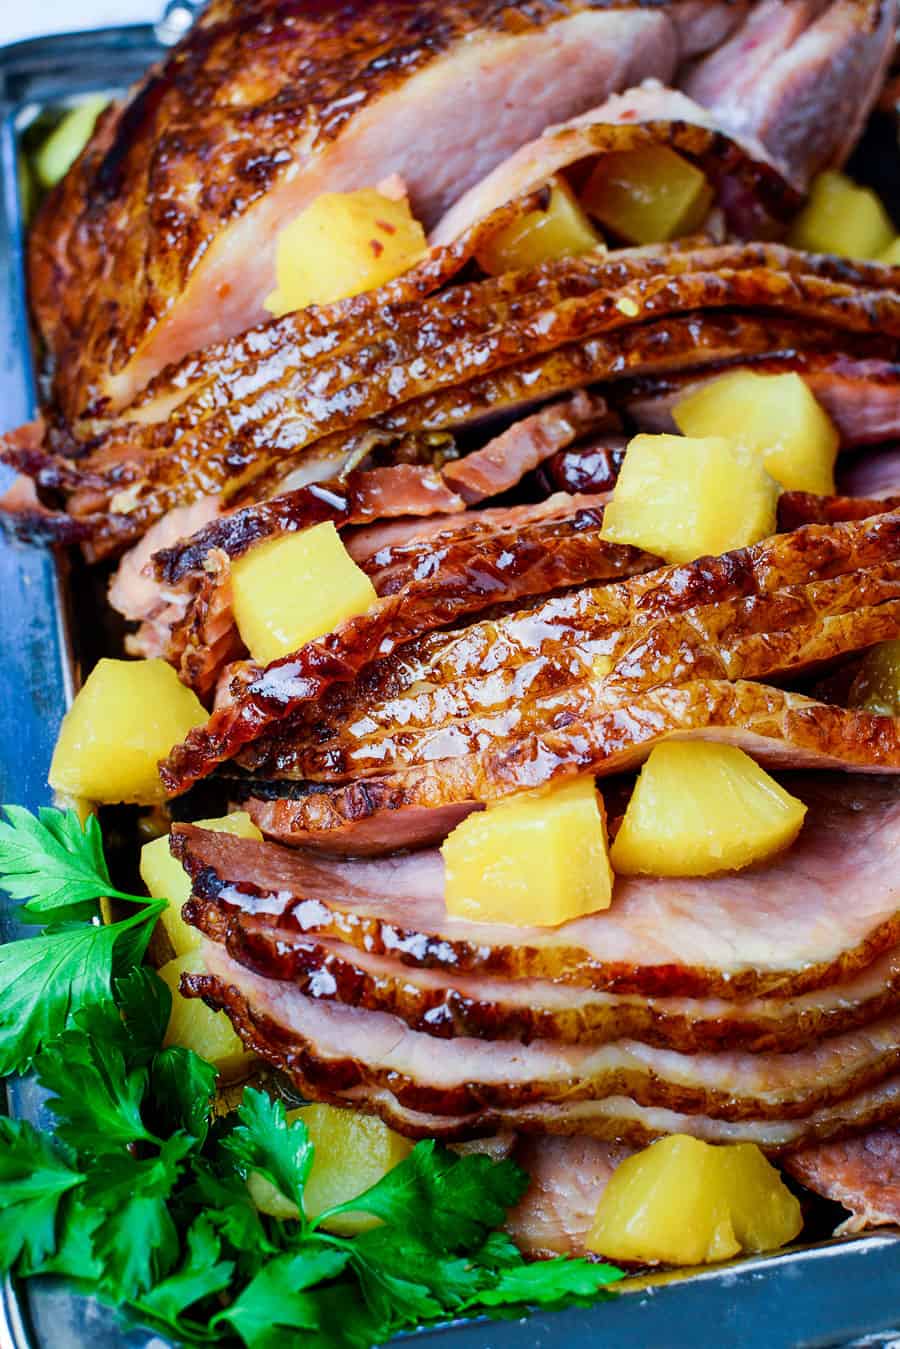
{"points": [[464, 431]]}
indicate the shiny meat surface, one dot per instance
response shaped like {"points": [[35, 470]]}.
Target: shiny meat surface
{"points": [[673, 938], [163, 240]]}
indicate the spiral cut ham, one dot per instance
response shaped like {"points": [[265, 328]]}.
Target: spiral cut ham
{"points": [[586, 681], [341, 380]]}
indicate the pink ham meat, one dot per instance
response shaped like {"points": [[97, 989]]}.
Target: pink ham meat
{"points": [[800, 75], [506, 459], [568, 1177], [861, 1173], [630, 121], [348, 1055], [783, 928], [170, 220]]}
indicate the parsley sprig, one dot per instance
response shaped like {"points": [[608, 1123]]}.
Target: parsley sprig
{"points": [[54, 867], [140, 1193]]}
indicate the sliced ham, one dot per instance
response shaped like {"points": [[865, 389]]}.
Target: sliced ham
{"points": [[800, 75], [787, 603], [648, 115], [341, 1047], [447, 360], [487, 1006], [785, 927], [875, 475], [860, 392], [861, 1173], [170, 219], [506, 459], [315, 1045]]}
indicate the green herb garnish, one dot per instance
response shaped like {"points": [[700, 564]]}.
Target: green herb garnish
{"points": [[140, 1193]]}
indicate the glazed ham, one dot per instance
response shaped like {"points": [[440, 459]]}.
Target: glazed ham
{"points": [[677, 647], [672, 938], [341, 379], [170, 219], [802, 76]]}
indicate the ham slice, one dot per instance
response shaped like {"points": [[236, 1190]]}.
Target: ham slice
{"points": [[341, 1047], [787, 603], [861, 1173], [487, 1006], [859, 391], [447, 360], [568, 1177], [802, 76], [785, 927], [315, 1046], [170, 219], [649, 115]]}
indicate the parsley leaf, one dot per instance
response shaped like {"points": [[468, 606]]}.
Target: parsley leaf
{"points": [[51, 860], [183, 1091], [456, 1199], [265, 1142], [96, 1094], [34, 1176], [200, 1275], [44, 979], [276, 1299], [145, 1003]]}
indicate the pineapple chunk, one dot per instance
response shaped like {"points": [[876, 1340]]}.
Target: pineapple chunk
{"points": [[699, 808], [292, 589], [195, 1026], [63, 146], [127, 716], [682, 497], [877, 686], [343, 244], [683, 1202], [647, 196], [538, 859], [352, 1153], [561, 230], [165, 878], [775, 415], [891, 255], [842, 218]]}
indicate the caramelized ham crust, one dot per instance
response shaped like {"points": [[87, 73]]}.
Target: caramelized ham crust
{"points": [[661, 938], [442, 362], [675, 647], [163, 238]]}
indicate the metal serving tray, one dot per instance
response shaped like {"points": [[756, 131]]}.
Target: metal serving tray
{"points": [[839, 1293]]}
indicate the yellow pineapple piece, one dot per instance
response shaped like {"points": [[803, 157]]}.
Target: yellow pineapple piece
{"points": [[775, 415], [682, 497], [841, 218], [700, 808], [764, 1213], [290, 590], [195, 1026], [536, 859], [343, 244], [561, 230], [877, 686], [166, 878], [647, 196], [891, 255], [352, 1153], [127, 716], [684, 1202], [63, 146]]}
